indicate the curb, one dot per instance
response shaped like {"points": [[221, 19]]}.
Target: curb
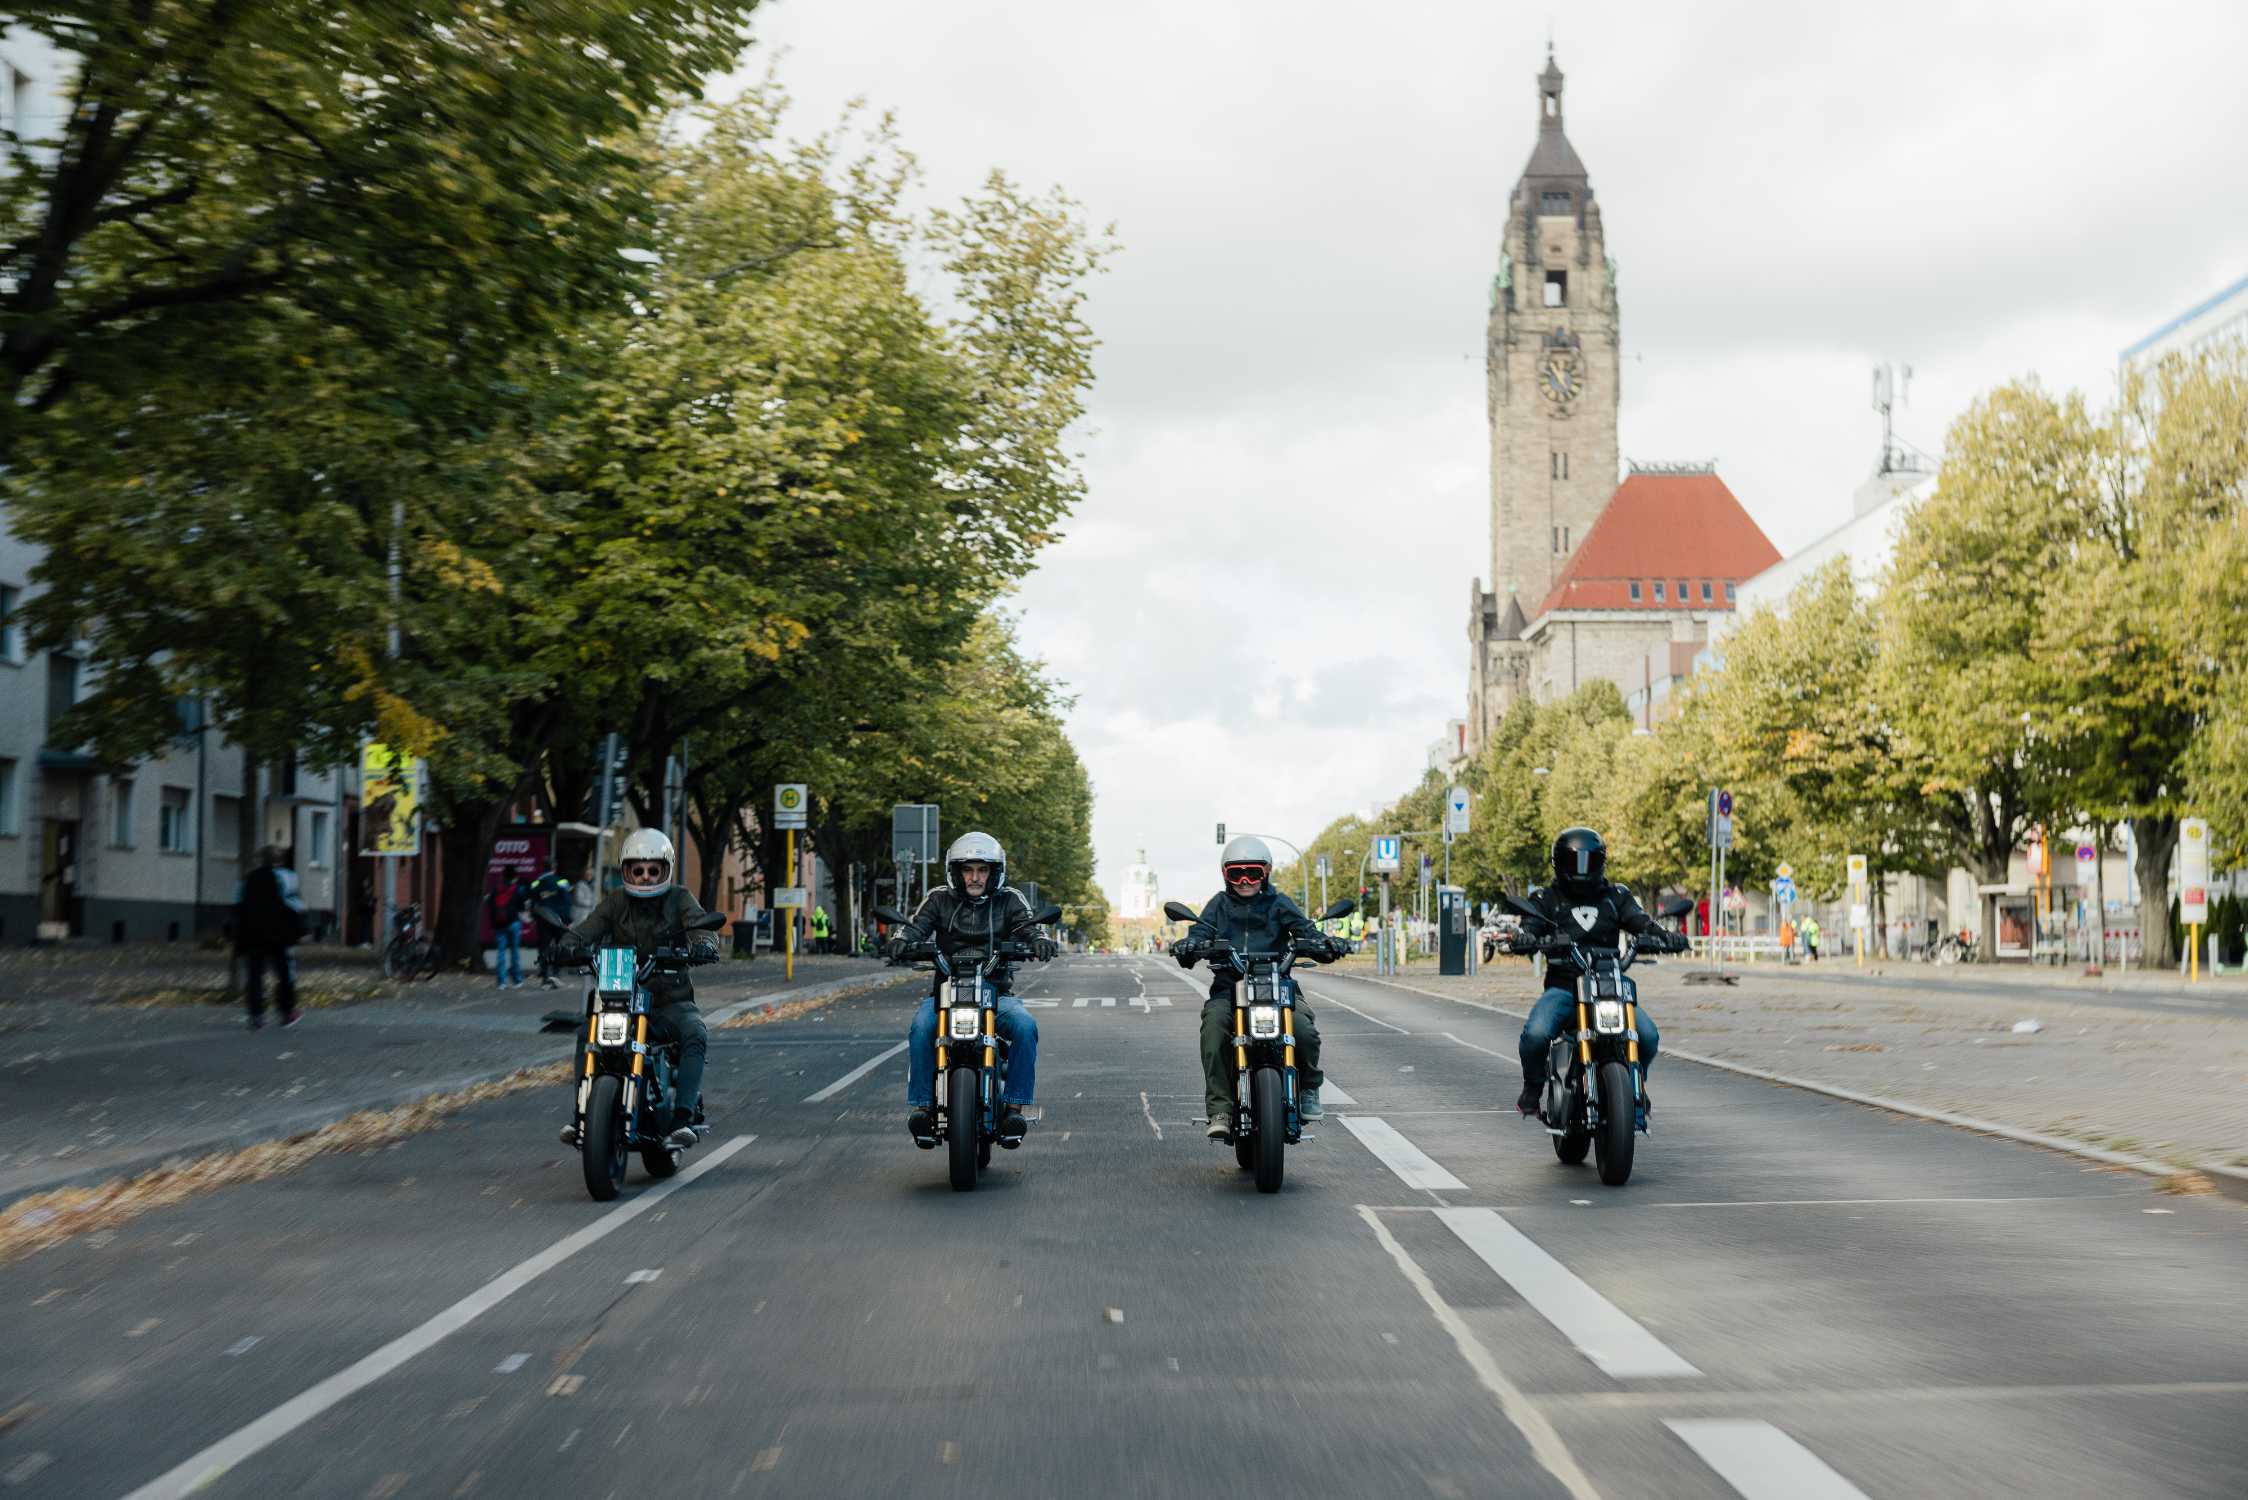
{"points": [[306, 1121], [2230, 1182]]}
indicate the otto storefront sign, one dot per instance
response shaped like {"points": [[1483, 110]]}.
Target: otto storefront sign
{"points": [[513, 854]]}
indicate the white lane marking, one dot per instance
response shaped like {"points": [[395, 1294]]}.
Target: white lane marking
{"points": [[1762, 1462], [1332, 1092], [241, 1346], [245, 1442], [511, 1364], [1545, 1442], [1486, 1051], [1599, 1329], [1081, 1002], [642, 1277], [855, 1074], [1040, 1004], [1867, 1202], [1325, 998], [1148, 1110], [1401, 1156], [1108, 1002]]}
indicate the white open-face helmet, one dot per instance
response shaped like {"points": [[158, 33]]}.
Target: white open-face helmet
{"points": [[973, 848], [1245, 850], [642, 847]]}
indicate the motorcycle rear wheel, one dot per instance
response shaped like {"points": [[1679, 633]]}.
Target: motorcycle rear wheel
{"points": [[1271, 1141], [1612, 1142], [964, 1124], [604, 1152]]}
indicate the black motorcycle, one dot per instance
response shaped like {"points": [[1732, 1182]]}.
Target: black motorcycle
{"points": [[1262, 1062], [971, 1054], [1595, 1091], [624, 1086]]}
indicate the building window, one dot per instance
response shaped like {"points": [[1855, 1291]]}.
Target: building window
{"points": [[1564, 538], [1561, 466], [1553, 205], [9, 827], [62, 686], [121, 814], [1682, 591], [226, 827], [316, 841], [1705, 591], [1635, 591], [1729, 599], [11, 629], [1557, 289], [175, 832], [1658, 591]]}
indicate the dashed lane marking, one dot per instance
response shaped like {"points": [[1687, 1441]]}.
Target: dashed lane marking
{"points": [[1600, 1330], [205, 1466], [855, 1074], [1762, 1462], [1412, 1165], [1332, 1092]]}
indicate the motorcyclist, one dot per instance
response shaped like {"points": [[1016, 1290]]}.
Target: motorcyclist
{"points": [[1251, 915], [650, 911], [1585, 905], [974, 909]]}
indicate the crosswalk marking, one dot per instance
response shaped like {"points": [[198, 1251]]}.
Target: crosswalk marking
{"points": [[1081, 1002], [1762, 1462], [1400, 1155], [1600, 1330], [1108, 1002], [1332, 1092]]}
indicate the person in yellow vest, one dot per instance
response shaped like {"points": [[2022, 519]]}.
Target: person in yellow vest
{"points": [[819, 929]]}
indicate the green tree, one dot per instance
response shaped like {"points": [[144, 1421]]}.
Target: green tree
{"points": [[377, 168]]}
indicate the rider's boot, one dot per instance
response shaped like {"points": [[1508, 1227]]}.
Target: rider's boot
{"points": [[1219, 1130], [1012, 1127], [1527, 1100], [570, 1134], [682, 1130], [1308, 1105], [922, 1124]]}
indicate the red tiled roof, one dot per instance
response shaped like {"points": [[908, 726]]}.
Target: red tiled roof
{"points": [[1667, 527]]}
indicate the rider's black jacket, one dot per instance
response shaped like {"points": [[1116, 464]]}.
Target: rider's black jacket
{"points": [[1257, 925], [955, 922], [1594, 921]]}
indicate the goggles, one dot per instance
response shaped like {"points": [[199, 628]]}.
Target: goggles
{"points": [[1234, 874], [644, 871]]}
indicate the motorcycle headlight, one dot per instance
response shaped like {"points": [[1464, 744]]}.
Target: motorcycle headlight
{"points": [[1608, 1017], [1264, 1022], [965, 1023], [615, 1026]]}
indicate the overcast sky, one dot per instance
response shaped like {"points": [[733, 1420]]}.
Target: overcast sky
{"points": [[1262, 603]]}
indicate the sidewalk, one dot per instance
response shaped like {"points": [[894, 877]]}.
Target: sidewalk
{"points": [[110, 1067], [2170, 1086]]}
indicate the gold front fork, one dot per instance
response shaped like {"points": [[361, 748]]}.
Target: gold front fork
{"points": [[1631, 1032], [1584, 1034]]}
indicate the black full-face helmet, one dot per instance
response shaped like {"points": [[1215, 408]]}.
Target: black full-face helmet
{"points": [[1580, 862]]}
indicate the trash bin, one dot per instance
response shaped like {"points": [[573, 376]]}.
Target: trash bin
{"points": [[745, 938]]}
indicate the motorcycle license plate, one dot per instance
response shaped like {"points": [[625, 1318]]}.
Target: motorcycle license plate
{"points": [[614, 1027], [966, 1022]]}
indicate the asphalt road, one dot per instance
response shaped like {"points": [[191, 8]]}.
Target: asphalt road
{"points": [[1792, 1298]]}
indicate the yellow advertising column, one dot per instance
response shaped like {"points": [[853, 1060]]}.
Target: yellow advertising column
{"points": [[789, 942], [2193, 888]]}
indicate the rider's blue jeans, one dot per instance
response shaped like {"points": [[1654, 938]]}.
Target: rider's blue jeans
{"points": [[1016, 1028], [1555, 1008]]}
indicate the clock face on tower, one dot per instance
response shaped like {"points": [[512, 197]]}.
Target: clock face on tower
{"points": [[1561, 376]]}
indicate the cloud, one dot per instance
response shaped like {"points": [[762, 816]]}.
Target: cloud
{"points": [[1262, 602]]}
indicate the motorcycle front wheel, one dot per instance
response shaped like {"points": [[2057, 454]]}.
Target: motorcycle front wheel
{"points": [[1271, 1139], [604, 1151], [964, 1124], [1612, 1142]]}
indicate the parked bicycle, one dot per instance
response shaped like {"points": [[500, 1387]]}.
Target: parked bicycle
{"points": [[411, 952], [1954, 948]]}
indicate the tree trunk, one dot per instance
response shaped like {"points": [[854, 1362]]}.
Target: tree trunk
{"points": [[470, 828], [2157, 840]]}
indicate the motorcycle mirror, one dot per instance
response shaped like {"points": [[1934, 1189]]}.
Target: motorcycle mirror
{"points": [[709, 921], [1046, 915], [1675, 907], [890, 916], [1521, 908], [1342, 908], [1179, 911]]}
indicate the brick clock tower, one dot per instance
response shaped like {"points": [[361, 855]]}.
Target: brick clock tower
{"points": [[1552, 361]]}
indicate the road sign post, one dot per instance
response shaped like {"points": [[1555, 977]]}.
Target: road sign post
{"points": [[791, 810], [2193, 888]]}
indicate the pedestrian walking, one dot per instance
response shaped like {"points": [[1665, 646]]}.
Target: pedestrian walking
{"points": [[505, 902], [1787, 940], [1811, 937], [550, 917], [819, 929], [268, 921]]}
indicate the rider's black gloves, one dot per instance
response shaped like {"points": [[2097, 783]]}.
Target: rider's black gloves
{"points": [[703, 950], [1045, 948]]}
